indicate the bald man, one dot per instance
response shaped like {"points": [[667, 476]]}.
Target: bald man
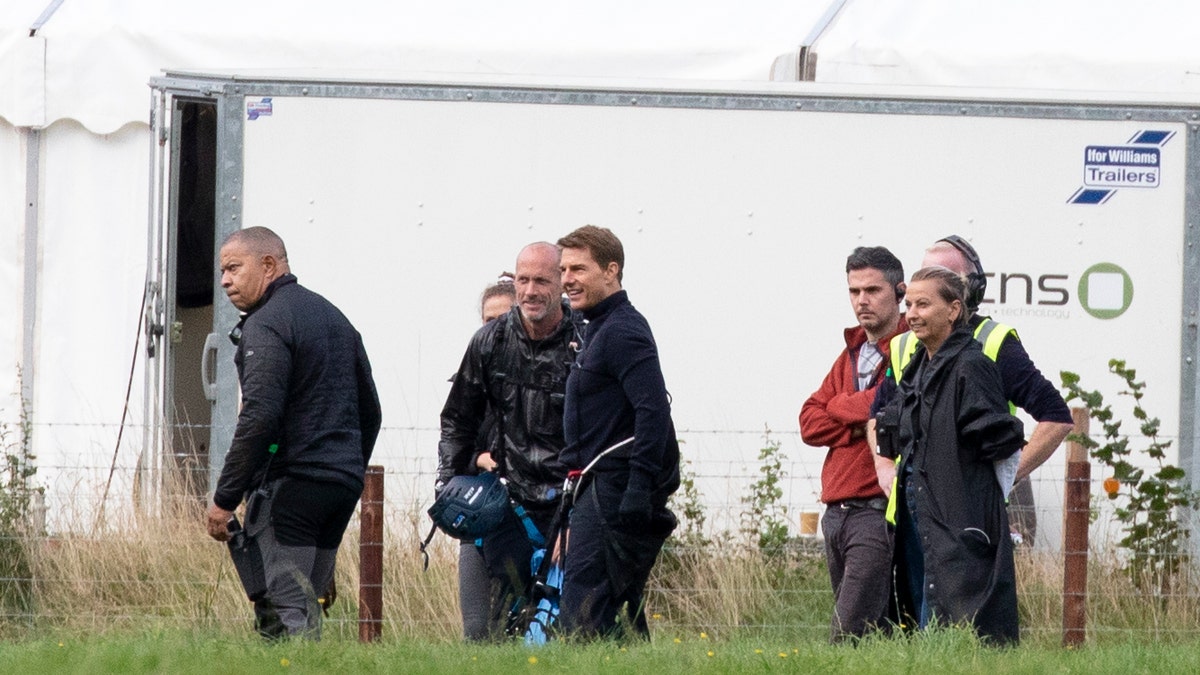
{"points": [[515, 366]]}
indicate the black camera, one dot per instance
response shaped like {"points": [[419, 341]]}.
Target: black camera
{"points": [[887, 431]]}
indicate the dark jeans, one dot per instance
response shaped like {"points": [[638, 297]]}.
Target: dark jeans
{"points": [[908, 538], [299, 527], [858, 550]]}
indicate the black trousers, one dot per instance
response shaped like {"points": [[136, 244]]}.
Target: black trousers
{"points": [[507, 559], [607, 566]]}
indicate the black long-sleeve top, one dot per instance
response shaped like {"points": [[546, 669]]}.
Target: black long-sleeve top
{"points": [[616, 390]]}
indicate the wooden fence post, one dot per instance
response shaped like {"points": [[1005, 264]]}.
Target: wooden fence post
{"points": [[370, 557], [1076, 505]]}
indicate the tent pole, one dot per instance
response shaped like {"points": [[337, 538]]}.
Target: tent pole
{"points": [[33, 163]]}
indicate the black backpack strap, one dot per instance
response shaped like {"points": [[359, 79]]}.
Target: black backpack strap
{"points": [[424, 544]]}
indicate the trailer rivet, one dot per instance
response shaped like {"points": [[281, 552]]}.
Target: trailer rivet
{"points": [[1195, 116], [799, 106], [633, 101], [233, 217], [749, 232], [963, 111], [1128, 116], [470, 96], [234, 198], [304, 91]]}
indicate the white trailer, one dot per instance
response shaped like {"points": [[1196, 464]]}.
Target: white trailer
{"points": [[737, 204]]}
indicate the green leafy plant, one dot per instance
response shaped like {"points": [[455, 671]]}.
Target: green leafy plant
{"points": [[1147, 502], [16, 502], [764, 520], [688, 505]]}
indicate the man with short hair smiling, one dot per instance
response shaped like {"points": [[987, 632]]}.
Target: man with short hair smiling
{"points": [[858, 546], [615, 392], [515, 370]]}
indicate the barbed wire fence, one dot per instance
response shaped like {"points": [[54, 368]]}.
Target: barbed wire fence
{"points": [[152, 566]]}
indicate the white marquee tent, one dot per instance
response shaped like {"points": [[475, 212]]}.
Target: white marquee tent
{"points": [[75, 148], [75, 145]]}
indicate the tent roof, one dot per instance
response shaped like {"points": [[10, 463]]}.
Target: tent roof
{"points": [[1098, 45], [91, 60]]}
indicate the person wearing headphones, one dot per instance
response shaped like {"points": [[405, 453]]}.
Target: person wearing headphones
{"points": [[858, 545], [1024, 385]]}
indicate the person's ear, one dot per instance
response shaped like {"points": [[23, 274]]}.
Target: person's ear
{"points": [[900, 288], [270, 265]]}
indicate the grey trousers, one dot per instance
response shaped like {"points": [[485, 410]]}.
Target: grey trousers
{"points": [[298, 526], [474, 592], [858, 549]]}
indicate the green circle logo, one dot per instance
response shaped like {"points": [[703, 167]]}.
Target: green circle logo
{"points": [[1105, 291]]}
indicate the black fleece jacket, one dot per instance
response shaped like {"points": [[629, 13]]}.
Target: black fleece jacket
{"points": [[307, 387]]}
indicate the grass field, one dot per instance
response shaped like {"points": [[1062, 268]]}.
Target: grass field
{"points": [[948, 651], [164, 599]]}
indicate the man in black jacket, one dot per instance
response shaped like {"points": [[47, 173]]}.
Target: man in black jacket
{"points": [[309, 419], [616, 392], [515, 367]]}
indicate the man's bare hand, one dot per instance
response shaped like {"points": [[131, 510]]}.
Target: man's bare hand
{"points": [[885, 472], [217, 522], [485, 462]]}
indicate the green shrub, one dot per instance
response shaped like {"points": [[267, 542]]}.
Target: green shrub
{"points": [[1147, 503]]}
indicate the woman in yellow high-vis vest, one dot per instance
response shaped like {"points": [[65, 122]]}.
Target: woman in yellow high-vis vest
{"points": [[954, 555]]}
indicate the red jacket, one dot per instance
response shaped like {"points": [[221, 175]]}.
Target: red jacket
{"points": [[829, 416]]}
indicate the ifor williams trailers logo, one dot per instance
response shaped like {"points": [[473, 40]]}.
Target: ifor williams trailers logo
{"points": [[1104, 290], [1137, 164], [257, 109]]}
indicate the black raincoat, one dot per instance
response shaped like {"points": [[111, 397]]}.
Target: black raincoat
{"points": [[954, 423], [522, 381]]}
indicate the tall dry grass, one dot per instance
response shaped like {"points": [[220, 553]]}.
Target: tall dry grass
{"points": [[139, 573], [150, 572]]}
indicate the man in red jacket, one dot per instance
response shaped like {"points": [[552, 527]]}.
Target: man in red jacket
{"points": [[858, 545]]}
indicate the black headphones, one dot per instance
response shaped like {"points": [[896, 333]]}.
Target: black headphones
{"points": [[976, 281]]}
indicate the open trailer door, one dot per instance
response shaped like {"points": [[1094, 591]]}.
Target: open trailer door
{"points": [[183, 349]]}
